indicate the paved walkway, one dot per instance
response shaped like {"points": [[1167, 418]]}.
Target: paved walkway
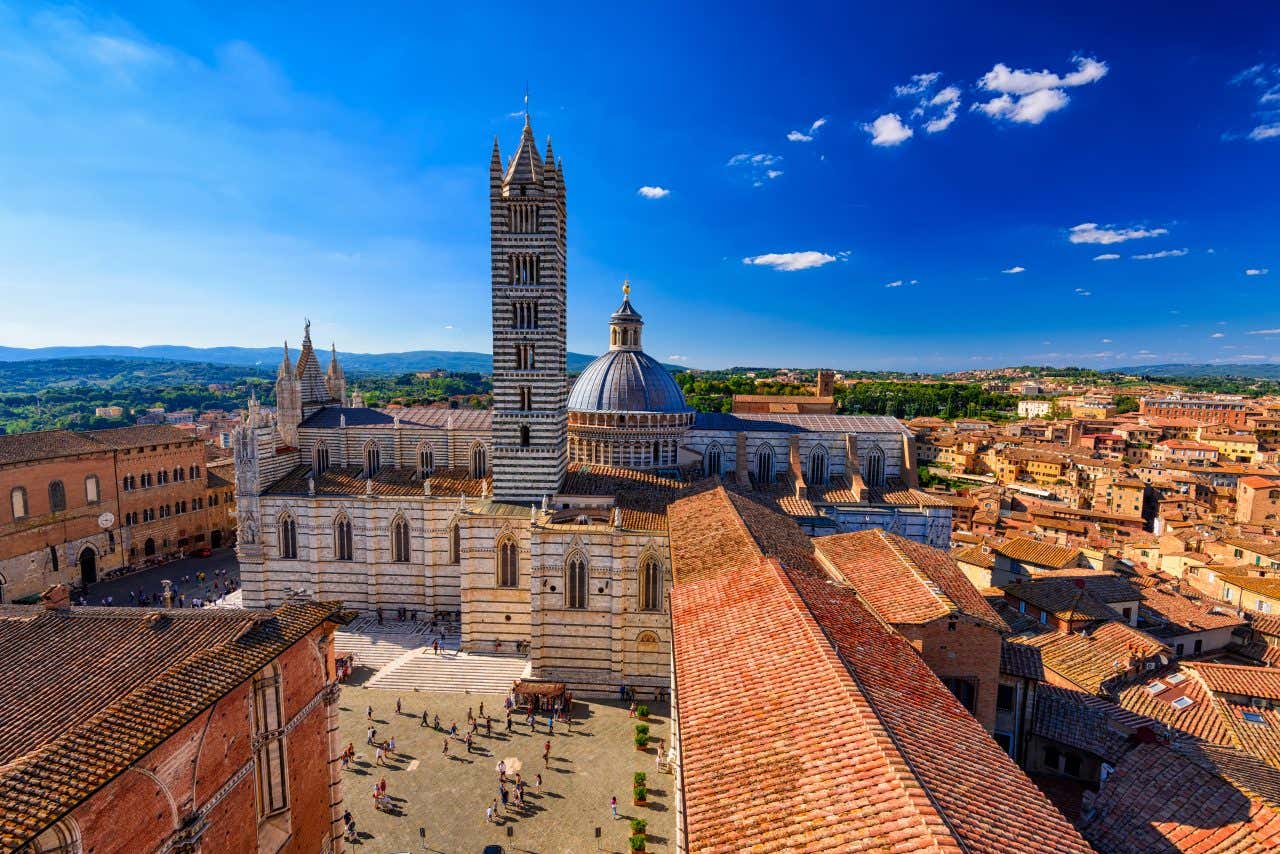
{"points": [[446, 794], [148, 580]]}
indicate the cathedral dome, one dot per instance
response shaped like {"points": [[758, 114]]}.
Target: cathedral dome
{"points": [[626, 381]]}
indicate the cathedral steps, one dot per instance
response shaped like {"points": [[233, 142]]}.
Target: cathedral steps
{"points": [[451, 671], [375, 651]]}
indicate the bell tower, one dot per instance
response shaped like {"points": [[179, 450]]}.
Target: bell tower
{"points": [[527, 236]]}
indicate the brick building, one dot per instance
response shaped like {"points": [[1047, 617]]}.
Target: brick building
{"points": [[1258, 501], [1230, 411], [175, 730], [79, 504]]}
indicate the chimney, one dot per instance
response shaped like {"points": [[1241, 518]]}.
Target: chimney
{"points": [[56, 598]]}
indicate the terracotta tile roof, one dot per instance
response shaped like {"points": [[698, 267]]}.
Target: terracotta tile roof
{"points": [[904, 581], [1018, 659], [1081, 720], [1093, 661], [137, 436], [1178, 614], [1267, 624], [1161, 800], [86, 692], [1269, 587], [44, 444], [979, 555], [1038, 553], [396, 482], [1239, 679], [1199, 718], [876, 754], [1062, 598], [642, 496]]}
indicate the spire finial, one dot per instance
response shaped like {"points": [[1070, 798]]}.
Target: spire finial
{"points": [[526, 103], [626, 288]]}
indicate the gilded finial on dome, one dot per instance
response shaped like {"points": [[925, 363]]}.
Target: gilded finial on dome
{"points": [[626, 287]]}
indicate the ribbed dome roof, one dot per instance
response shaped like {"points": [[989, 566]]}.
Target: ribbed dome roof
{"points": [[626, 381]]}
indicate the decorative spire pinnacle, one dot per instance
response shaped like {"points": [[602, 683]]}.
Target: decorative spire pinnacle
{"points": [[626, 288], [306, 330]]}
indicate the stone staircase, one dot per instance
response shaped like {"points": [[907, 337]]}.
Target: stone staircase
{"points": [[452, 671], [375, 651]]}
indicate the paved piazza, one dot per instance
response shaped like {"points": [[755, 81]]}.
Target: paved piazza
{"points": [[448, 795]]}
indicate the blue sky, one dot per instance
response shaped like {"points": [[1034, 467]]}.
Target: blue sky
{"points": [[208, 175]]}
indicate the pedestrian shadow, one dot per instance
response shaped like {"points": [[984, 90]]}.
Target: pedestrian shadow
{"points": [[456, 758]]}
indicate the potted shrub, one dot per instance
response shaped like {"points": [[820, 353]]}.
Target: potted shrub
{"points": [[639, 826], [638, 778], [642, 736], [642, 712], [637, 844], [639, 795]]}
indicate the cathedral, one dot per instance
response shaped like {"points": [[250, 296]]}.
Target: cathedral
{"points": [[541, 520]]}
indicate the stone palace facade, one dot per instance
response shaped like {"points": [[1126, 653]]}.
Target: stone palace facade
{"points": [[541, 520]]}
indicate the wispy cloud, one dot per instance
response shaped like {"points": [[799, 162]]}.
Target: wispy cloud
{"points": [[790, 261], [1091, 232], [1264, 79], [919, 83], [1256, 271], [1083, 293], [653, 192], [896, 283], [676, 357], [1106, 256], [1015, 269], [1263, 332], [807, 136], [757, 166], [1028, 97], [1218, 335], [1165, 253], [888, 130]]}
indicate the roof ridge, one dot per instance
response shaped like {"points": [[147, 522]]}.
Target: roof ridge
{"points": [[897, 761], [928, 583]]}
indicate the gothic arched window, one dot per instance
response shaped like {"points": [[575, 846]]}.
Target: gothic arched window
{"points": [[524, 435], [479, 463], [651, 584], [818, 465], [508, 563], [322, 458], [400, 540], [372, 459], [426, 459], [455, 543], [287, 534], [873, 467], [764, 464], [711, 460], [342, 538], [575, 581], [57, 496]]}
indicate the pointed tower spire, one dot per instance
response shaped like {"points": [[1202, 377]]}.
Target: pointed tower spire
{"points": [[286, 365], [495, 168], [334, 378]]}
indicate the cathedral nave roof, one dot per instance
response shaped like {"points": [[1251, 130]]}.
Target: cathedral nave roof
{"points": [[747, 422], [417, 416], [400, 482]]}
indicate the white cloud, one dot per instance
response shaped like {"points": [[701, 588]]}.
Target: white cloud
{"points": [[888, 130], [1256, 271], [1015, 269], [949, 100], [1091, 232], [1218, 335], [1265, 80], [1264, 332], [1082, 292], [1027, 96], [448, 326], [807, 136], [753, 160], [757, 166], [1164, 253], [895, 284], [653, 192], [1106, 340], [1106, 256], [790, 261], [677, 358], [918, 84]]}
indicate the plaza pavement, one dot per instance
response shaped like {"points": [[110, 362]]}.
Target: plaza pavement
{"points": [[447, 795]]}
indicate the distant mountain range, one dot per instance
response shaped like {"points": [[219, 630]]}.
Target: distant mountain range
{"points": [[1247, 371], [269, 357]]}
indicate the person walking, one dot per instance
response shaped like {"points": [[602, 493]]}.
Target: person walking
{"points": [[468, 742], [397, 705], [391, 746], [508, 720], [378, 754], [368, 712], [369, 737], [425, 722], [488, 727], [488, 813], [537, 782], [435, 646], [435, 722], [613, 806], [502, 790], [444, 751], [546, 754]]}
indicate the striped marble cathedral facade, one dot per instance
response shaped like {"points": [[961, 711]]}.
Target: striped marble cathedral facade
{"points": [[477, 513]]}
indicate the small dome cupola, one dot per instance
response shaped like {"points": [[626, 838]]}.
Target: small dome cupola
{"points": [[625, 324]]}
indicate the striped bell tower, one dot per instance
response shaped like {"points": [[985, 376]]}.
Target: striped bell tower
{"points": [[527, 236]]}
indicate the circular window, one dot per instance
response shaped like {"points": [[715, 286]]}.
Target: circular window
{"points": [[553, 588], [507, 618]]}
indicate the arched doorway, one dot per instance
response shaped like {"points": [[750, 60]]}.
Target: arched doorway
{"points": [[88, 566], [215, 538], [149, 547]]}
